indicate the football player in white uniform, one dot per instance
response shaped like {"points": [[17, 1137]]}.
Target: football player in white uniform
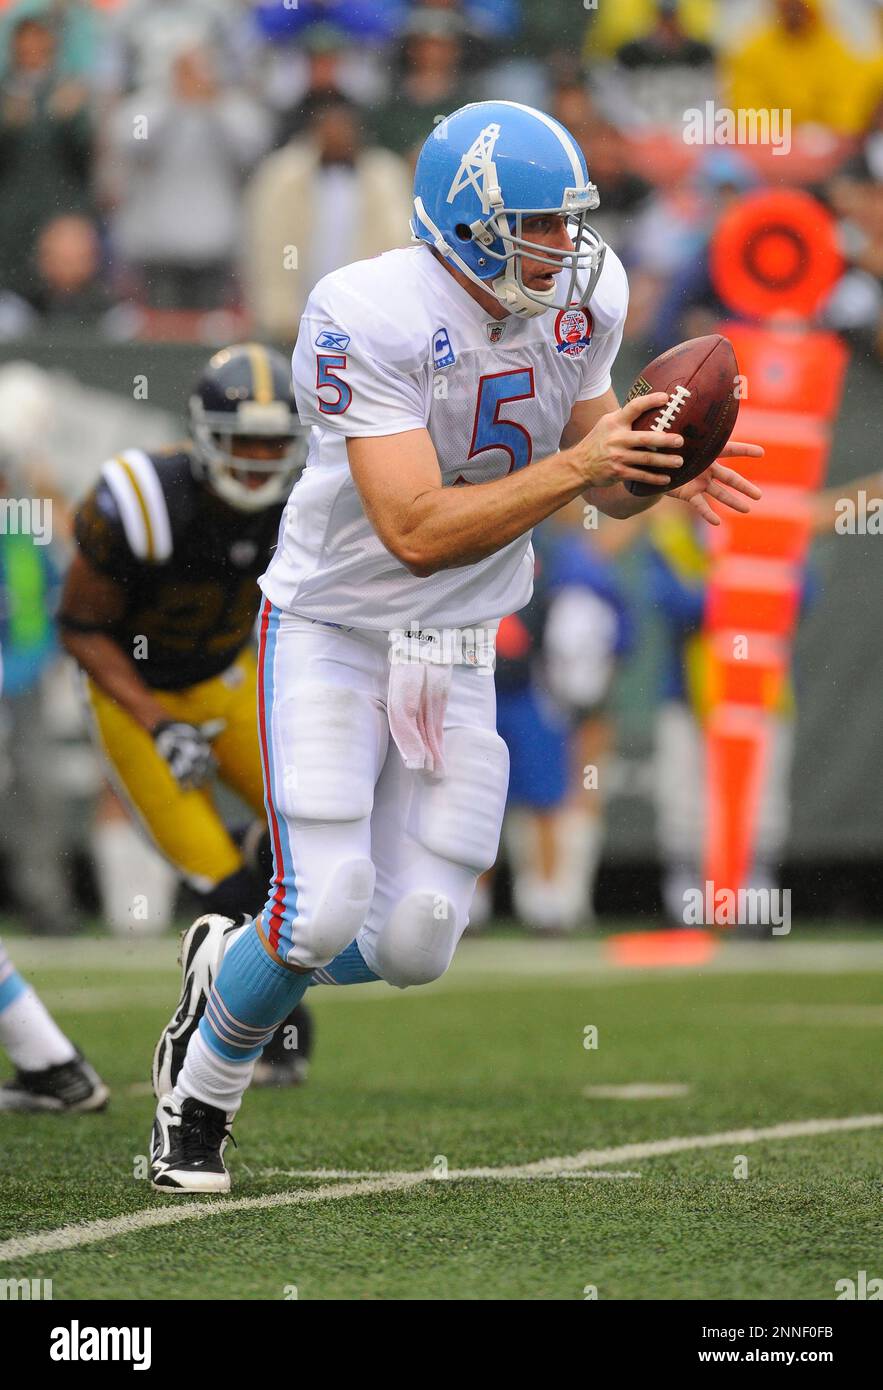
{"points": [[459, 392], [50, 1073]]}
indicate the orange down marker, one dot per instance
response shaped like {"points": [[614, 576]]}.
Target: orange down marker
{"points": [[790, 383]]}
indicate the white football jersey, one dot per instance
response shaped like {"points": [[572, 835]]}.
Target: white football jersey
{"points": [[394, 344]]}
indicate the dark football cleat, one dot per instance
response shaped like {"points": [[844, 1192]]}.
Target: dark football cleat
{"points": [[202, 950], [73, 1087], [200, 956], [285, 1060], [187, 1147]]}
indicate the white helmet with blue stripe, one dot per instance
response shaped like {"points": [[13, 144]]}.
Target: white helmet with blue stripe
{"points": [[486, 168]]}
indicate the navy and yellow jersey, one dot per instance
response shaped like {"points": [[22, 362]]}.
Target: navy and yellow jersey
{"points": [[187, 563]]}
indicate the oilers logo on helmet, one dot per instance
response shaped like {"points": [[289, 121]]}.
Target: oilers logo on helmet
{"points": [[477, 167], [482, 173]]}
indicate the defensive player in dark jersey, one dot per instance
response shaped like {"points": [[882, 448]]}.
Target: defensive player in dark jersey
{"points": [[158, 610]]}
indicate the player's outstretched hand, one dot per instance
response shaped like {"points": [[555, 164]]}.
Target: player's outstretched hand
{"points": [[612, 452], [724, 484]]}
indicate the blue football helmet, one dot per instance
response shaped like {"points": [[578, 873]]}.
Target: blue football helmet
{"points": [[483, 170]]}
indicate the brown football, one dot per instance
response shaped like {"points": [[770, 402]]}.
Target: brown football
{"points": [[699, 378]]}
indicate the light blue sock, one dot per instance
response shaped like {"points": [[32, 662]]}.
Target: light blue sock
{"points": [[12, 986], [348, 968], [252, 995]]}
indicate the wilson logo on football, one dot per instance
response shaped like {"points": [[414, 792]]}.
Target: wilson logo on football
{"points": [[573, 331]]}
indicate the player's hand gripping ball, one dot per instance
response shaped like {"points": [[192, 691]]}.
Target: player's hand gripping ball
{"points": [[699, 377]]}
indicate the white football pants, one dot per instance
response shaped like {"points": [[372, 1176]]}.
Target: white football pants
{"points": [[364, 848]]}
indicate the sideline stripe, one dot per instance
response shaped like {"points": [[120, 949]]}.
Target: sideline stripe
{"points": [[92, 1232]]}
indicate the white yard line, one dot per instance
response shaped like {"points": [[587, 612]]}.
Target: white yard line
{"points": [[71, 1237], [505, 1174], [656, 1148], [92, 1232], [638, 1090]]}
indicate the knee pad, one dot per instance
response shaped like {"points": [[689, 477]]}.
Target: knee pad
{"points": [[338, 915], [330, 754], [417, 943], [460, 816]]}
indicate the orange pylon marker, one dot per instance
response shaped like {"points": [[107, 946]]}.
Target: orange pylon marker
{"points": [[776, 258]]}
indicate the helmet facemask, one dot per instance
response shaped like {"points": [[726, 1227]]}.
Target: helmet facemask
{"points": [[504, 228], [583, 262], [214, 433]]}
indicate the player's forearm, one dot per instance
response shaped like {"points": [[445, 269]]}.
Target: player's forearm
{"points": [[452, 526], [114, 673]]}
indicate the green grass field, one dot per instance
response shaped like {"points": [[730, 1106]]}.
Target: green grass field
{"points": [[487, 1071]]}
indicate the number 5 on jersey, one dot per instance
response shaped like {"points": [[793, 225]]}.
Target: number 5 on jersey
{"points": [[327, 365], [489, 431]]}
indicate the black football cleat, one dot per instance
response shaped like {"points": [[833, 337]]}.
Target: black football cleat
{"points": [[72, 1087], [202, 951], [200, 956], [187, 1148]]}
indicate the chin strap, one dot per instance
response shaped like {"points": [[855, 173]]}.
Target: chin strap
{"points": [[513, 298], [504, 287], [443, 247]]}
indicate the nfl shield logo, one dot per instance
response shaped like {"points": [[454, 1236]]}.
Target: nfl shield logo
{"points": [[495, 331], [573, 331]]}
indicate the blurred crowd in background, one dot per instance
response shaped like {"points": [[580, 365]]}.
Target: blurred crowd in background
{"points": [[157, 155], [188, 169]]}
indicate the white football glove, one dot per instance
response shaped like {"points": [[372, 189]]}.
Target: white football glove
{"points": [[187, 750]]}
